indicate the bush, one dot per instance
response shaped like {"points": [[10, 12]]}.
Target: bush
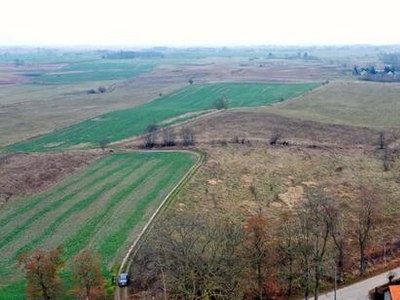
{"points": [[102, 89]]}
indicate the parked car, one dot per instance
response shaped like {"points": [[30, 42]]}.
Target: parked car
{"points": [[123, 279]]}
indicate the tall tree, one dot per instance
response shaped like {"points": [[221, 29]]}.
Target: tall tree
{"points": [[339, 225], [287, 248], [42, 269], [86, 271], [150, 136], [257, 246], [365, 223], [188, 138], [194, 257], [169, 137], [313, 237]]}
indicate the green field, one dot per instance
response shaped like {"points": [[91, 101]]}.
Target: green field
{"points": [[98, 70], [126, 123], [102, 207]]}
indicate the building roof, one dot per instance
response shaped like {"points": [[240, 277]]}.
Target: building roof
{"points": [[395, 292]]}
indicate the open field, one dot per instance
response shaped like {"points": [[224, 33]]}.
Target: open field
{"points": [[95, 71], [352, 103], [29, 174], [123, 124], [29, 110], [102, 207]]}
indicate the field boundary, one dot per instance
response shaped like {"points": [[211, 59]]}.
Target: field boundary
{"points": [[167, 201]]}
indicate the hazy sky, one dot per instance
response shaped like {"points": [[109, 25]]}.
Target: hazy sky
{"points": [[198, 22]]}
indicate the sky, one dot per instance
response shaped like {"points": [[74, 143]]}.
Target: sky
{"points": [[198, 22]]}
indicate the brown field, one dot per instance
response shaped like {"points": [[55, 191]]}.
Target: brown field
{"points": [[28, 174], [353, 103], [244, 71], [237, 179]]}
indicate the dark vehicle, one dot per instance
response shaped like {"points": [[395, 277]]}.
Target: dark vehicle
{"points": [[123, 279]]}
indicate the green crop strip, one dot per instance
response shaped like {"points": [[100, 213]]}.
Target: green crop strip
{"points": [[98, 208], [55, 203], [126, 123]]}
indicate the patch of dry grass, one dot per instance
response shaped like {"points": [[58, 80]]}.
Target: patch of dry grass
{"points": [[353, 103]]}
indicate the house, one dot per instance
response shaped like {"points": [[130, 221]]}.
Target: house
{"points": [[392, 293]]}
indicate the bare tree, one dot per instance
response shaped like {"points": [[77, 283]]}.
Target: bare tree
{"points": [[339, 233], [387, 156], [313, 238], [382, 140], [104, 143], [150, 136], [192, 257], [169, 137], [288, 250], [275, 136], [257, 248], [188, 137], [365, 223]]}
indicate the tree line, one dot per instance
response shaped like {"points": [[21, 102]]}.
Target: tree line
{"points": [[166, 137], [42, 269], [193, 256]]}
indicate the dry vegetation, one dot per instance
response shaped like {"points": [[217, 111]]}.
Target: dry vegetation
{"points": [[28, 174], [244, 174], [354, 103], [262, 160]]}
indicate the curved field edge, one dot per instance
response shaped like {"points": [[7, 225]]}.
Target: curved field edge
{"points": [[123, 124], [105, 213]]}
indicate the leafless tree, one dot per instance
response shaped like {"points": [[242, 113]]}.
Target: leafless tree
{"points": [[169, 137], [340, 234], [365, 223], [188, 137], [150, 136], [257, 249], [192, 257], [382, 140], [313, 235], [275, 136], [288, 250]]}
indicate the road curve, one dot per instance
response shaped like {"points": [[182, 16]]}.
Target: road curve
{"points": [[359, 290]]}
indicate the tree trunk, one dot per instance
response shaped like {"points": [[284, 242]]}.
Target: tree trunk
{"points": [[259, 278], [363, 261], [340, 265], [290, 290], [317, 279]]}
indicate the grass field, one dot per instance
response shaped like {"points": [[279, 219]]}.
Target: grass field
{"points": [[97, 70], [102, 208], [29, 110], [123, 124], [351, 103]]}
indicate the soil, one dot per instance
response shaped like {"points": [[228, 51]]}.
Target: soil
{"points": [[27, 174]]}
